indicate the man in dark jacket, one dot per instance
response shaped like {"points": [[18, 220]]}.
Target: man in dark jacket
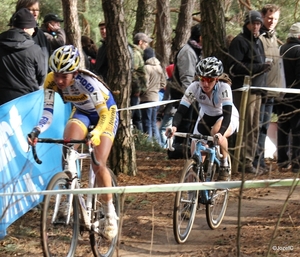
{"points": [[288, 110], [101, 66], [53, 31], [248, 59], [22, 62]]}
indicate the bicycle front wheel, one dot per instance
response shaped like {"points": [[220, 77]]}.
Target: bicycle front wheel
{"points": [[215, 210], [58, 237], [101, 246], [185, 205]]}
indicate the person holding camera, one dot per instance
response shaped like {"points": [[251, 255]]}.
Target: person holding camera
{"points": [[52, 30]]}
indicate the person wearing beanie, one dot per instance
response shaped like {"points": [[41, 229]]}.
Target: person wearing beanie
{"points": [[38, 37], [156, 80], [247, 58], [22, 62], [52, 30]]}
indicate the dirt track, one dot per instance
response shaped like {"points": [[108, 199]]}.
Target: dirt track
{"points": [[260, 210]]}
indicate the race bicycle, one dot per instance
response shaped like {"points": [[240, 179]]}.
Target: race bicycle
{"points": [[199, 169], [59, 235]]}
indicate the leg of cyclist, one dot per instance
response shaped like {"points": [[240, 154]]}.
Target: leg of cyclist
{"points": [[103, 179], [224, 166], [77, 129]]}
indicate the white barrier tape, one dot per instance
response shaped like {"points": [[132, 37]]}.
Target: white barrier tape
{"points": [[147, 105], [162, 188], [158, 103], [273, 89]]}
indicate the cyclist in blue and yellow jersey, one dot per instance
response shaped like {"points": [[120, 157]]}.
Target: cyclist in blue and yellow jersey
{"points": [[217, 114], [93, 105]]}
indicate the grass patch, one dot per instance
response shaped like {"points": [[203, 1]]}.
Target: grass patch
{"points": [[143, 143]]}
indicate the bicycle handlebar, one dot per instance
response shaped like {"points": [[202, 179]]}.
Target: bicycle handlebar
{"points": [[187, 135], [65, 142]]}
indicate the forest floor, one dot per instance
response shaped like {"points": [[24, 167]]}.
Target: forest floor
{"points": [[147, 228]]}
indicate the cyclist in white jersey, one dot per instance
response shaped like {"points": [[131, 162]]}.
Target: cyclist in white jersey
{"points": [[93, 105], [217, 114]]}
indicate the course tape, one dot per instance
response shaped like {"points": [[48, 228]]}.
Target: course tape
{"points": [[162, 188], [159, 103], [272, 89], [147, 105]]}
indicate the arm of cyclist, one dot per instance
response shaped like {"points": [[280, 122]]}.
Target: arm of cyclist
{"points": [[186, 101], [227, 110], [45, 120], [181, 111]]}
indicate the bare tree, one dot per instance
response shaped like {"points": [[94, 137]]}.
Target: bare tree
{"points": [[163, 34], [123, 155], [182, 31], [141, 17], [71, 25], [213, 28]]}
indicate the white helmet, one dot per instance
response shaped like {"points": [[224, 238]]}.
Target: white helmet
{"points": [[209, 67]]}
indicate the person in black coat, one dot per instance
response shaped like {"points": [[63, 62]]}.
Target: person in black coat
{"points": [[22, 62], [288, 109], [101, 66], [247, 58], [38, 37]]}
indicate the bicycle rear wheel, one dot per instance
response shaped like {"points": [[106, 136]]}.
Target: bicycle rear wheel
{"points": [[100, 245], [185, 204], [217, 207], [58, 238]]}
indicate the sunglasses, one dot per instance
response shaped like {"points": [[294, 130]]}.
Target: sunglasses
{"points": [[207, 79]]}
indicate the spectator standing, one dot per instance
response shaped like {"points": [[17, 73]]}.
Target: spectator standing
{"points": [[288, 109], [156, 80], [184, 74], [52, 30], [270, 16], [248, 58], [38, 37], [22, 63], [139, 80], [101, 67], [166, 112], [90, 52]]}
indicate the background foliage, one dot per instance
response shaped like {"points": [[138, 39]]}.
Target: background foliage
{"points": [[91, 10]]}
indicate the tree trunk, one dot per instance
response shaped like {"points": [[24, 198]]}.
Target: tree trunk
{"points": [[141, 15], [163, 34], [184, 23], [123, 155], [71, 26], [213, 29]]}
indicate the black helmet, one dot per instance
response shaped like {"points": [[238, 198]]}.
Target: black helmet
{"points": [[209, 67]]}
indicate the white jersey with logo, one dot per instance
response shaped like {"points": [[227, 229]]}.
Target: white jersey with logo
{"points": [[213, 105]]}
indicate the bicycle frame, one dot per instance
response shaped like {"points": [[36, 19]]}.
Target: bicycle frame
{"points": [[83, 213], [73, 171], [213, 155]]}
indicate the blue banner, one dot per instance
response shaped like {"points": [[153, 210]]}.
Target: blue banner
{"points": [[18, 170]]}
